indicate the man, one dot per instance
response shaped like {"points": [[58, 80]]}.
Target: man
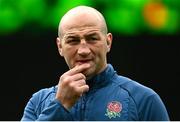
{"points": [[91, 89]]}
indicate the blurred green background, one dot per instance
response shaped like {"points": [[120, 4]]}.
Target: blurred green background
{"points": [[129, 17]]}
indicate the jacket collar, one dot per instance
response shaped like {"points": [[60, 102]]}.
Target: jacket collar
{"points": [[102, 78]]}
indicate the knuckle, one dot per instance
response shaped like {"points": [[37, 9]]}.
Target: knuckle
{"points": [[82, 76], [75, 69], [83, 81], [65, 80], [71, 86]]}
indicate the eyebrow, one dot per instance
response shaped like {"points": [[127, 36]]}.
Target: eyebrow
{"points": [[70, 36], [91, 34]]}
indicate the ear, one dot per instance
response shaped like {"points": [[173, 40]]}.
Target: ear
{"points": [[109, 41], [59, 45]]}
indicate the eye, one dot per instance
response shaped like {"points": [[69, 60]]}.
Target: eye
{"points": [[72, 41], [92, 38]]}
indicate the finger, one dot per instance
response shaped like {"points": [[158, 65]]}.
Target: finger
{"points": [[84, 88], [79, 83], [77, 77], [80, 90], [78, 69]]}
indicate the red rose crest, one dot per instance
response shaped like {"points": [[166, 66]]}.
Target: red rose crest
{"points": [[113, 109]]}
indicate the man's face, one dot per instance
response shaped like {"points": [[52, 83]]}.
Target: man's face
{"points": [[85, 43]]}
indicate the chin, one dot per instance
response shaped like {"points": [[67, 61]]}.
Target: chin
{"points": [[88, 73]]}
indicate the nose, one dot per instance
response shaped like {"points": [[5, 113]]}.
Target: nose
{"points": [[83, 49]]}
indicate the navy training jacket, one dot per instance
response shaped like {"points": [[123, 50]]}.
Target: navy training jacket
{"points": [[110, 98]]}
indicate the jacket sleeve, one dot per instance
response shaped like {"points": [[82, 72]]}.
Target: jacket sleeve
{"points": [[29, 112], [154, 109], [53, 112]]}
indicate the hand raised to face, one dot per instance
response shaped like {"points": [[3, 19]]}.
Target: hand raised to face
{"points": [[72, 85]]}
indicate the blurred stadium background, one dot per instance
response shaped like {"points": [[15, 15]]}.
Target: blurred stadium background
{"points": [[145, 47], [123, 16]]}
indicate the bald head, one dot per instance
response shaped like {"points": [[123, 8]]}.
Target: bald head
{"points": [[81, 17]]}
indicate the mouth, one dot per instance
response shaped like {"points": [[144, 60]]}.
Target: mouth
{"points": [[80, 62]]}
